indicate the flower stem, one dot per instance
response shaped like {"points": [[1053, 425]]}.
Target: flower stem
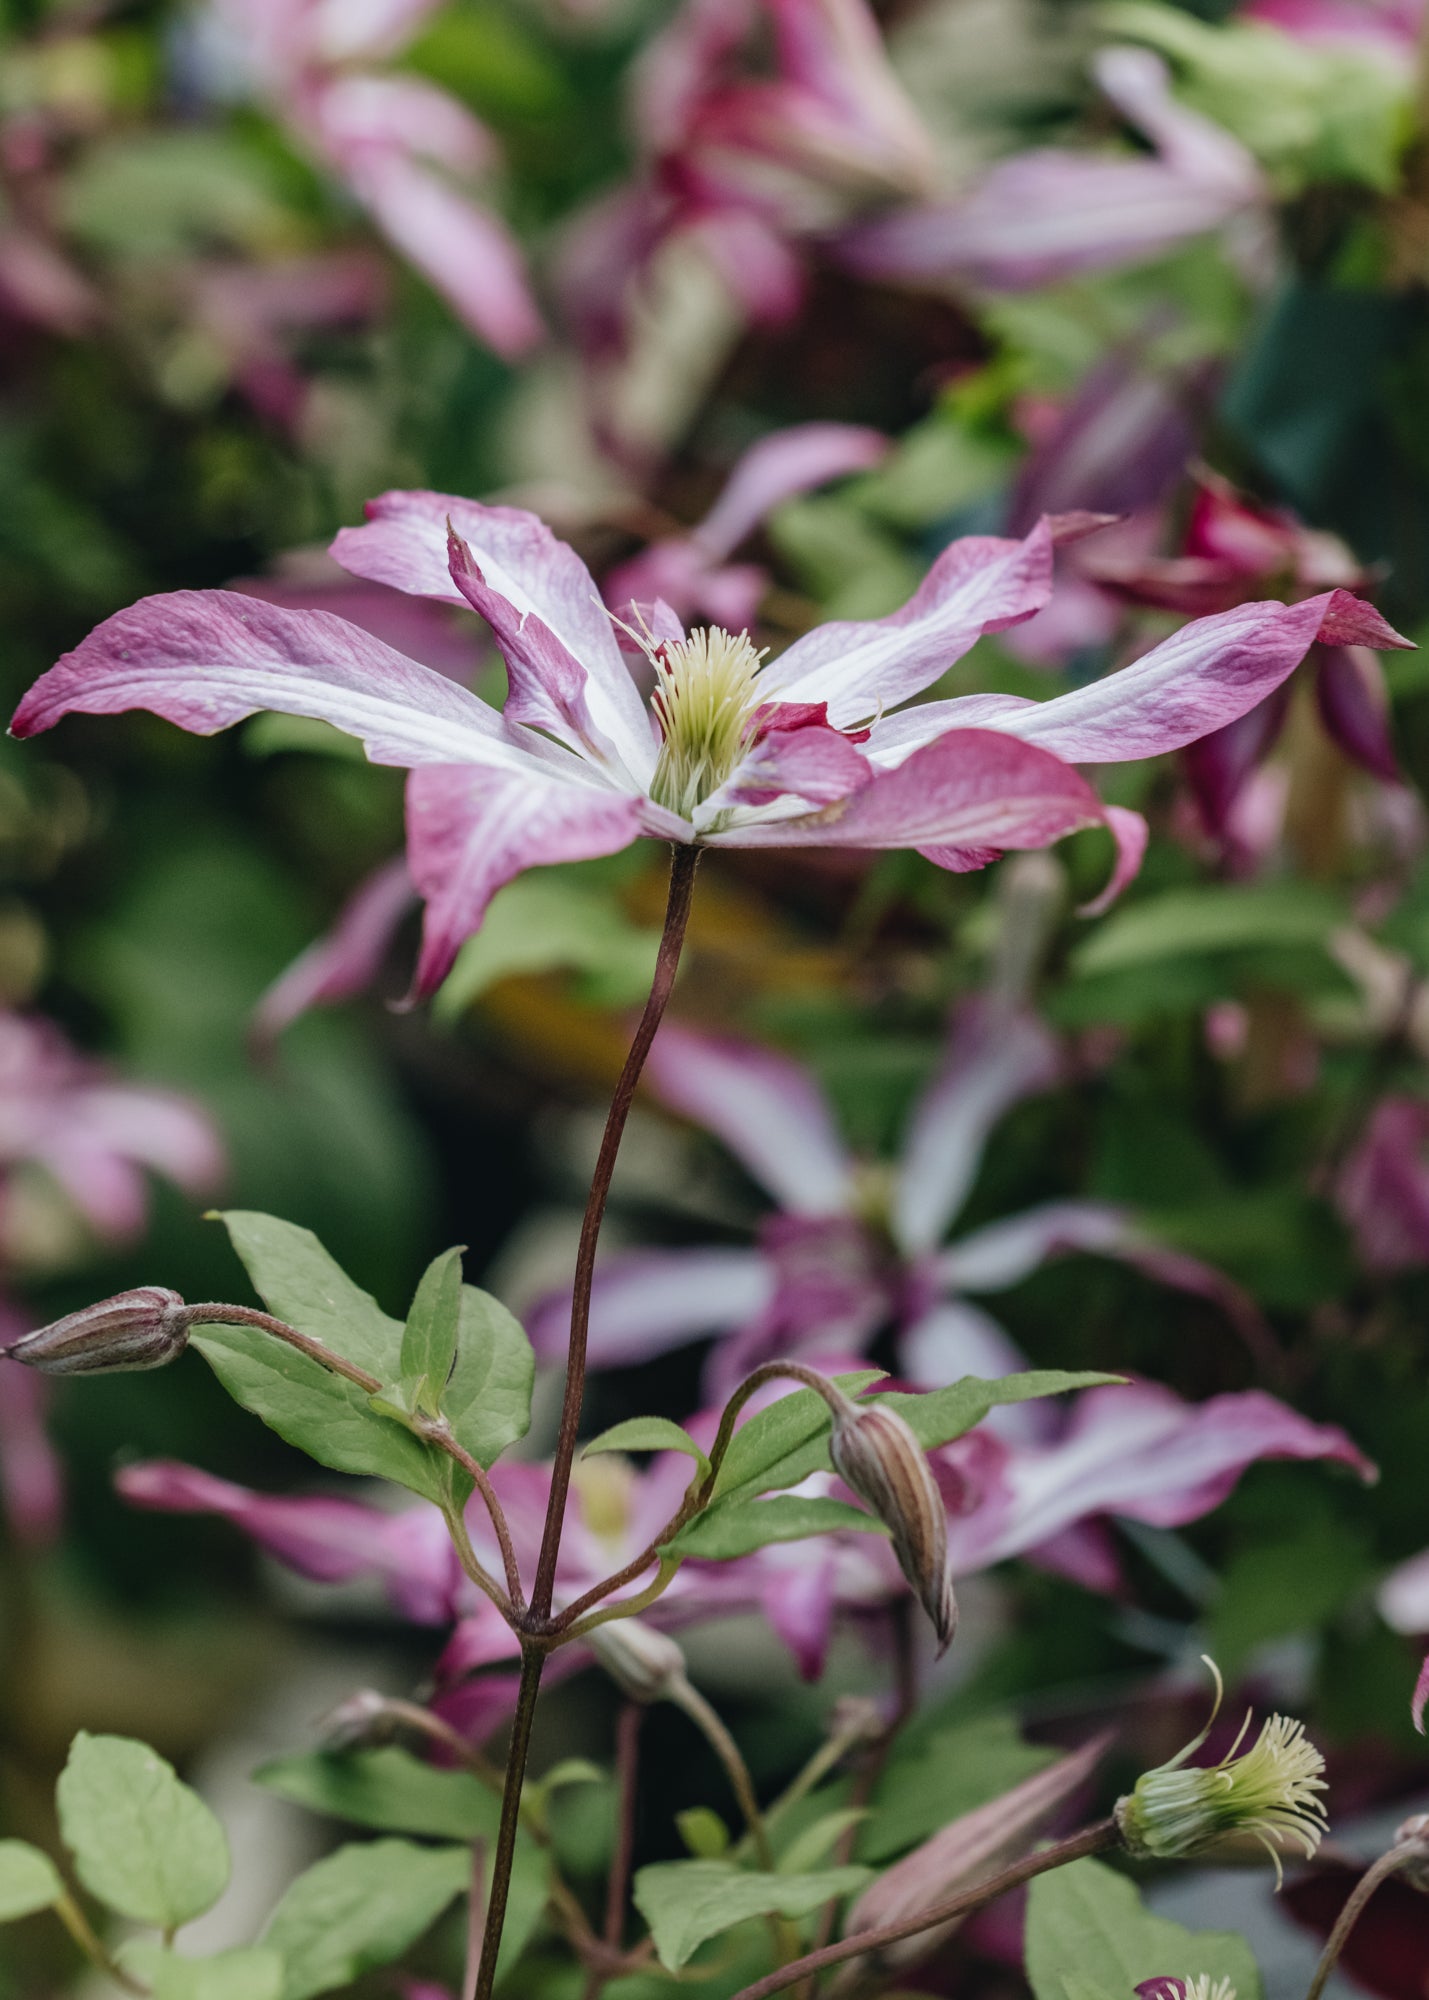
{"points": [[1387, 1865], [1094, 1839], [617, 1888], [213, 1314], [689, 1698], [84, 1935], [683, 863]]}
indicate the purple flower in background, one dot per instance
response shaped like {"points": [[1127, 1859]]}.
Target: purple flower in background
{"points": [[692, 573], [730, 751], [404, 148], [855, 1247], [1391, 28], [1051, 213], [1383, 1188]]}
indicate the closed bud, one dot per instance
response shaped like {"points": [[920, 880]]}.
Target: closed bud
{"points": [[366, 1718], [875, 1452], [1270, 1792], [144, 1328], [643, 1663]]}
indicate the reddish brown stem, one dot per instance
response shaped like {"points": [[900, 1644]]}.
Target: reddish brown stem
{"points": [[617, 1888]]}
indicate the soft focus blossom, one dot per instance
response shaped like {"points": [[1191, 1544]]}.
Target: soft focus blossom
{"points": [[855, 1247], [1388, 28], [801, 751], [405, 149], [1052, 213], [1383, 1187]]}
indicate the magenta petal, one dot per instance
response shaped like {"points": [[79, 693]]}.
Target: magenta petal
{"points": [[1421, 1696], [784, 464], [979, 584], [1354, 706], [346, 959], [404, 543], [1383, 1187], [799, 1604], [651, 1301], [994, 1059], [972, 788], [31, 1476], [205, 659], [470, 831], [1217, 766], [1130, 833], [766, 1108], [808, 761]]}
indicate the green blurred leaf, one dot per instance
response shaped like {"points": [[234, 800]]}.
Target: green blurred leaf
{"points": [[142, 1841], [29, 1881], [1187, 922], [1087, 1922], [387, 1789], [848, 563], [818, 1840], [944, 1414], [648, 1434], [940, 1775], [738, 1528], [429, 1340], [165, 194], [686, 1903], [251, 1973], [554, 923], [1289, 1583], [360, 1908], [703, 1832]]}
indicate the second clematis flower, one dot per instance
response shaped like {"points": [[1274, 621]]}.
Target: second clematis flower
{"points": [[729, 749]]}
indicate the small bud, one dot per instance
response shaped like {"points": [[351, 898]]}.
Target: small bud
{"points": [[1414, 1869], [362, 1721], [1202, 1987], [875, 1452], [643, 1663], [140, 1329], [1270, 1792]]}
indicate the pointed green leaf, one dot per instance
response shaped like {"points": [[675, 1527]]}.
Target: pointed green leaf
{"points": [[703, 1832], [430, 1337], [771, 1447], [299, 1282], [944, 1414], [1087, 1922], [488, 1399], [359, 1908], [387, 1789], [685, 1903], [29, 1881], [142, 1841], [818, 1841], [252, 1973], [648, 1434], [739, 1527]]}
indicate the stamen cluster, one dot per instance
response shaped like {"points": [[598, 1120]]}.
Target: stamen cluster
{"points": [[705, 695]]}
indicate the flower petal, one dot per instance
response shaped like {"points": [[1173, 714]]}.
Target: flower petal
{"points": [[345, 960], [1204, 676], [993, 1060], [404, 543], [1354, 707], [205, 659], [766, 1108], [979, 584], [785, 463], [470, 831], [651, 1301]]}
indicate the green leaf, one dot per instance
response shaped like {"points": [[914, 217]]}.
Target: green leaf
{"points": [[429, 1340], [703, 1832], [738, 1527], [1190, 922], [488, 1399], [252, 1973], [361, 1907], [944, 1414], [771, 1447], [142, 1842], [320, 1413], [648, 1434], [819, 1840], [546, 922], [1088, 1923], [685, 1903], [29, 1881], [938, 1775], [388, 1789]]}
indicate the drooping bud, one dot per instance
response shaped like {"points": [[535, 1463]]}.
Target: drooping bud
{"points": [[363, 1720], [1270, 1792], [1202, 1987], [875, 1452], [144, 1328], [643, 1663]]}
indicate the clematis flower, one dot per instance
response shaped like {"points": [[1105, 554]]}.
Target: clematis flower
{"points": [[1053, 213], [405, 149], [730, 751], [855, 1247], [692, 573], [1233, 549], [1147, 1457], [1383, 1188]]}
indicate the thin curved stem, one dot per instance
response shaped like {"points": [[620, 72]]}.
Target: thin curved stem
{"points": [[438, 1431], [224, 1315], [1388, 1864], [692, 1702], [413, 1716], [1094, 1839], [473, 1566], [627, 1607], [683, 863], [80, 1929]]}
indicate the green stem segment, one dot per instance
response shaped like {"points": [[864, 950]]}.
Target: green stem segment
{"points": [[683, 863]]}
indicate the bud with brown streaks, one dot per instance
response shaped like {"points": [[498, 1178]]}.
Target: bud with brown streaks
{"points": [[875, 1452], [144, 1328]]}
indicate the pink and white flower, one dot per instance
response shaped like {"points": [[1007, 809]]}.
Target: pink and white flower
{"points": [[729, 751]]}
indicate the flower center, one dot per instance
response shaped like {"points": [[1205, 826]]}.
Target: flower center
{"points": [[706, 690]]}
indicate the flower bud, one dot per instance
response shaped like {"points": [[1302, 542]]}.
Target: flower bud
{"points": [[139, 1329], [363, 1720], [1414, 1869], [1202, 1987], [643, 1663], [1270, 1792], [875, 1452]]}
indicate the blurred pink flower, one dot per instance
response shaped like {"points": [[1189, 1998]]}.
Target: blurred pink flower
{"points": [[1052, 213], [855, 1247], [31, 1477], [1383, 1188], [1391, 28], [405, 149], [800, 752]]}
